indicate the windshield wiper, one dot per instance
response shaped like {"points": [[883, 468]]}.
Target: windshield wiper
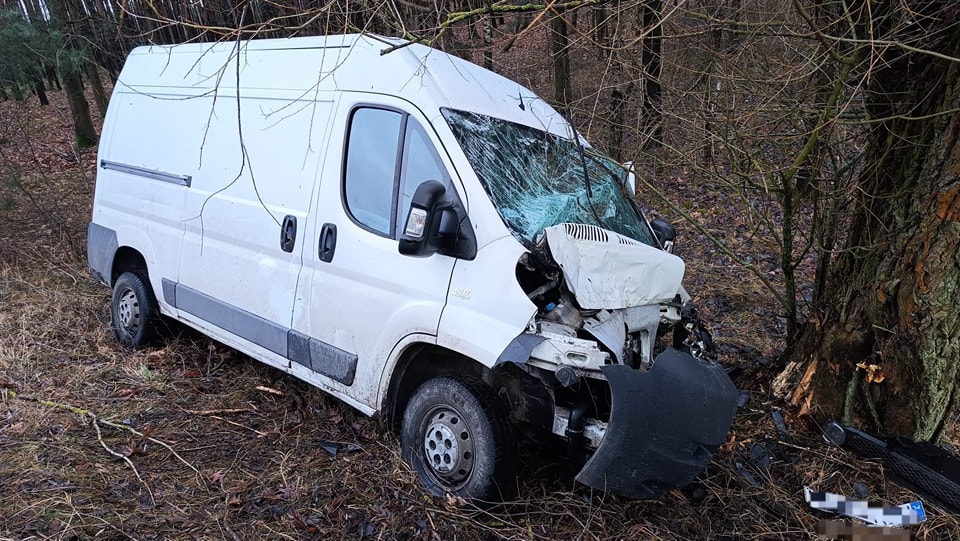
{"points": [[583, 159]]}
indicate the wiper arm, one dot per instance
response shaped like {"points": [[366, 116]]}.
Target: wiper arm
{"points": [[583, 157]]}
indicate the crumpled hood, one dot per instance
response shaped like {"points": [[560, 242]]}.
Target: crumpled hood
{"points": [[606, 270]]}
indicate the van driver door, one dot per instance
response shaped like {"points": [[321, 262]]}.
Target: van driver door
{"points": [[362, 297]]}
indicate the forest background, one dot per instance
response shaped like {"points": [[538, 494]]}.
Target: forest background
{"points": [[806, 149]]}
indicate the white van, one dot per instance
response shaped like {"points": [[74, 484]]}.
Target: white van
{"points": [[417, 236]]}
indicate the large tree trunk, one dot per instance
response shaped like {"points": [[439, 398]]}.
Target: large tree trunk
{"points": [[892, 294]]}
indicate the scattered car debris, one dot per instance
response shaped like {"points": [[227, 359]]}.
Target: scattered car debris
{"points": [[929, 470], [336, 447], [778, 420], [907, 514]]}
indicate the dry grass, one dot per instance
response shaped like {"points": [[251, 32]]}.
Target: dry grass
{"points": [[195, 441]]}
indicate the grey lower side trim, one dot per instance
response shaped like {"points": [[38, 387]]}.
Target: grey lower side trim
{"points": [[101, 247], [254, 328], [520, 348], [183, 180], [331, 361], [169, 291]]}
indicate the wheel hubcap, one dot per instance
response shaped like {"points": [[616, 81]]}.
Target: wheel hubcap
{"points": [[448, 446], [128, 311]]}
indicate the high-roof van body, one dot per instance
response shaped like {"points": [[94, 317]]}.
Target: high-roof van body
{"points": [[417, 236]]}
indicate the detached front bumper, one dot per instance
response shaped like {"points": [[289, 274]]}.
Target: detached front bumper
{"points": [[665, 425]]}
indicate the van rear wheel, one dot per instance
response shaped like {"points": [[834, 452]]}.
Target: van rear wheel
{"points": [[135, 316], [456, 436]]}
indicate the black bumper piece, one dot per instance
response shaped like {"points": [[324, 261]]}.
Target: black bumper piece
{"points": [[665, 425]]}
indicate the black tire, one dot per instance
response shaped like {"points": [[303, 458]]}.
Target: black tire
{"points": [[135, 316], [456, 436]]}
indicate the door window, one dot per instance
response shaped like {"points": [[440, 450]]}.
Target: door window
{"points": [[420, 164], [371, 167], [388, 156]]}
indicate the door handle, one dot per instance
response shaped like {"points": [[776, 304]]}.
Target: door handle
{"points": [[288, 233], [328, 242]]}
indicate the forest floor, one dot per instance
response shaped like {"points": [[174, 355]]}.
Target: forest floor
{"points": [[196, 441]]}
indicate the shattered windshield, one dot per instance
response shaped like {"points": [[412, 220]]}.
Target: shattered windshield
{"points": [[536, 179]]}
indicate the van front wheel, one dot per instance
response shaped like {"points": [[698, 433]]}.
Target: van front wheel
{"points": [[134, 311], [458, 441]]}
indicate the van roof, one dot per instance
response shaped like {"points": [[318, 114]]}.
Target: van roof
{"points": [[428, 78]]}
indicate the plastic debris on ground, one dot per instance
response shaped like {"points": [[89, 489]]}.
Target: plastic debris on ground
{"points": [[907, 514], [929, 470], [336, 447]]}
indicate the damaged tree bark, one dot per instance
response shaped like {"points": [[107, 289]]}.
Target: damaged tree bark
{"points": [[890, 298]]}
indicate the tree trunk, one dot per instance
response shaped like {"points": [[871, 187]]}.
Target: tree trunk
{"points": [[891, 296], [559, 44], [52, 80], [40, 91], [618, 105], [84, 133], [652, 116], [96, 85]]}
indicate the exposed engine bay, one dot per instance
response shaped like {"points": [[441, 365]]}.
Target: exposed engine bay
{"points": [[609, 311]]}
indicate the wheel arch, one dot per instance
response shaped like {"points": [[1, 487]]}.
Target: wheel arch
{"points": [[127, 259], [420, 362]]}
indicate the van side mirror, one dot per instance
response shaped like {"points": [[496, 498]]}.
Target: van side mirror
{"points": [[436, 224], [665, 233]]}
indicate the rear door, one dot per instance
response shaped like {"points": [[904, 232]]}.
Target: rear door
{"points": [[360, 296]]}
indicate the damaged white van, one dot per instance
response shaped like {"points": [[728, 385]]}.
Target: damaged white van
{"points": [[417, 236]]}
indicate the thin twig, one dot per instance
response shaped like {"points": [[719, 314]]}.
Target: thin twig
{"points": [[125, 458]]}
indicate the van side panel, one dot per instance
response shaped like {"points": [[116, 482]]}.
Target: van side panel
{"points": [[256, 175], [136, 197]]}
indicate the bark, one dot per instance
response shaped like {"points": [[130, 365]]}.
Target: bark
{"points": [[84, 133], [890, 298], [618, 103], [40, 91], [559, 45], [52, 80], [652, 115], [96, 85]]}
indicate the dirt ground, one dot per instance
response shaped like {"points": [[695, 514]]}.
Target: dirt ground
{"points": [[195, 441]]}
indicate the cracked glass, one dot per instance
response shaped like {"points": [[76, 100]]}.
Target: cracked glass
{"points": [[536, 179]]}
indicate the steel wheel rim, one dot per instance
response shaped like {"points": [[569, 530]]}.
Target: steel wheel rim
{"points": [[128, 311], [448, 445]]}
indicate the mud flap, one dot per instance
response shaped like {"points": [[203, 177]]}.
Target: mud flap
{"points": [[665, 425]]}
